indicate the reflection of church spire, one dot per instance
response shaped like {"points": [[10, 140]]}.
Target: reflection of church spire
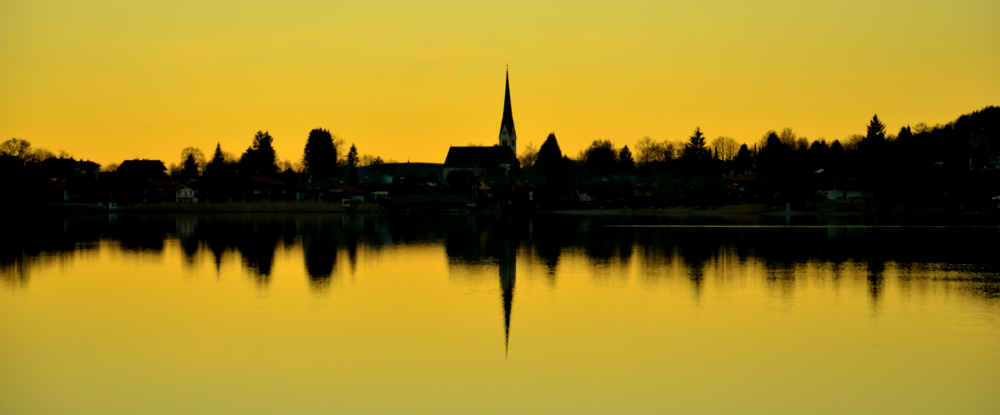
{"points": [[508, 273]]}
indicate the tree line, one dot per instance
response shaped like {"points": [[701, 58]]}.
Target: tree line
{"points": [[954, 164]]}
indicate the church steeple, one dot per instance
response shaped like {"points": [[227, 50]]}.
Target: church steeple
{"points": [[508, 138]]}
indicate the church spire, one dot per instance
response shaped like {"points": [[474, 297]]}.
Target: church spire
{"points": [[508, 138]]}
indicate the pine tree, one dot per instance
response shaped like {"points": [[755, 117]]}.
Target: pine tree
{"points": [[190, 170], [320, 155], [627, 165], [352, 165], [696, 148], [218, 157], [260, 158], [876, 130]]}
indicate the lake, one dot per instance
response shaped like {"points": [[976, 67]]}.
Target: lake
{"points": [[284, 313]]}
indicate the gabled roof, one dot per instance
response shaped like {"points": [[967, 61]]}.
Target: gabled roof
{"points": [[145, 169], [480, 157]]}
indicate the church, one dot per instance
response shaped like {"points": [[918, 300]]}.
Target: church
{"points": [[498, 161]]}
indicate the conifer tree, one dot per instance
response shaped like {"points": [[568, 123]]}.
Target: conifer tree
{"points": [[260, 158], [625, 161], [352, 165], [696, 150], [320, 155]]}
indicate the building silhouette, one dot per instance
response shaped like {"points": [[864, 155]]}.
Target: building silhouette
{"points": [[497, 161], [508, 138]]}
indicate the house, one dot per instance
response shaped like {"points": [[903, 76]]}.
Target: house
{"points": [[184, 194], [164, 190]]}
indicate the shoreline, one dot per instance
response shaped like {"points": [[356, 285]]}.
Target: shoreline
{"points": [[819, 210]]}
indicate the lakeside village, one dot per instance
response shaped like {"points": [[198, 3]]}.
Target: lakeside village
{"points": [[946, 168]]}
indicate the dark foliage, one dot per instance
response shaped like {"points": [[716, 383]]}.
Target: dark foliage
{"points": [[260, 158], [320, 158]]}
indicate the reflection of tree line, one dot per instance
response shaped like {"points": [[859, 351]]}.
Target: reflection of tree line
{"points": [[782, 252], [499, 240]]}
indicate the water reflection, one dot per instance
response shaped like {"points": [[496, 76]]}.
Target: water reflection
{"points": [[961, 255], [374, 313]]}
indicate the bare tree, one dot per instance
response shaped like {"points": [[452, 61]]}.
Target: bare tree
{"points": [[16, 147], [725, 148], [788, 138], [197, 155], [370, 160], [852, 141], [763, 139], [39, 155], [647, 150], [528, 156]]}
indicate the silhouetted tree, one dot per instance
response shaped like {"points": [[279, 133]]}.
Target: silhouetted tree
{"points": [[904, 134], [352, 165], [725, 148], [218, 167], [369, 160], [528, 156], [218, 158], [192, 163], [790, 139], [550, 161], [260, 158], [320, 156], [625, 161], [774, 163], [190, 170], [836, 147], [599, 158], [549, 153], [743, 160], [876, 130], [696, 150], [16, 147], [217, 176]]}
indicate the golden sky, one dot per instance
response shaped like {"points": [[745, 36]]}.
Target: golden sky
{"points": [[111, 80]]}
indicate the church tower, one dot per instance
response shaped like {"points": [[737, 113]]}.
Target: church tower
{"points": [[507, 136]]}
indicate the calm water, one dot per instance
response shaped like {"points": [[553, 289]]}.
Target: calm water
{"points": [[548, 314]]}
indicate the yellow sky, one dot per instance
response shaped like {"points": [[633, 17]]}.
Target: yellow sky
{"points": [[110, 80]]}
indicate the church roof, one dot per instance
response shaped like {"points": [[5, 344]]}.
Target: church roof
{"points": [[508, 116], [479, 157]]}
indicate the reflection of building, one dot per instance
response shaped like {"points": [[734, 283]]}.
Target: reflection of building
{"points": [[508, 274]]}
